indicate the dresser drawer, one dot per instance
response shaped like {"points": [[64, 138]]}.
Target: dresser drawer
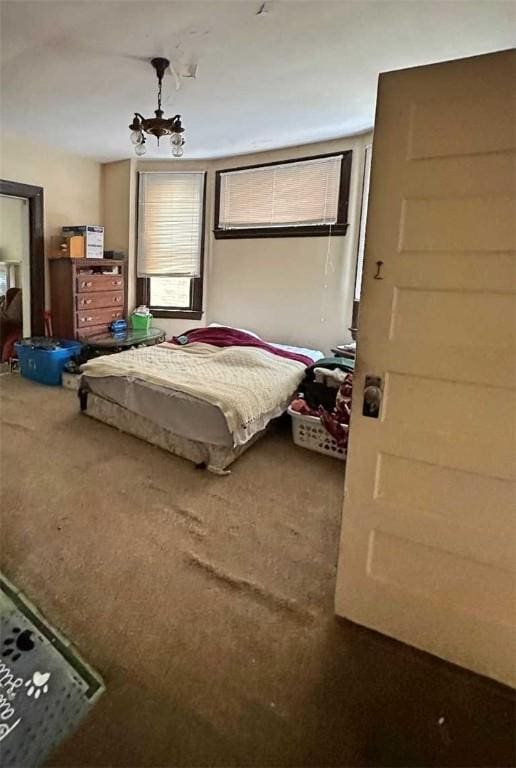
{"points": [[90, 283], [100, 299], [92, 330], [87, 317]]}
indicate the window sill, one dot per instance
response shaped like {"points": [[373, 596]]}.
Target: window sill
{"points": [[179, 314], [317, 231]]}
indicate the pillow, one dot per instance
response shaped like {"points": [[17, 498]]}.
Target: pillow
{"points": [[315, 354], [243, 330]]}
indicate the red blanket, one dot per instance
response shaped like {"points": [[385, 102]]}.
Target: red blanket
{"points": [[221, 336]]}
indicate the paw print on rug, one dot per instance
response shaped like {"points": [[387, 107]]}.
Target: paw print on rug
{"points": [[19, 642], [38, 684]]}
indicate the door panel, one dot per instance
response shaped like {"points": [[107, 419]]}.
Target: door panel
{"points": [[463, 125], [428, 534], [431, 225]]}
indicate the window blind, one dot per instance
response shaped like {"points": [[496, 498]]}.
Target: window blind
{"points": [[289, 194], [170, 214]]}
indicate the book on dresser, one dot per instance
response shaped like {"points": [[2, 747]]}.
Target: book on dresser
{"points": [[86, 296]]}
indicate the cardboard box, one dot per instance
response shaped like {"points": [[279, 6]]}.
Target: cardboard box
{"points": [[93, 237], [67, 247]]}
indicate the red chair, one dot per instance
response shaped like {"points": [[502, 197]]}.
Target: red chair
{"points": [[11, 323]]}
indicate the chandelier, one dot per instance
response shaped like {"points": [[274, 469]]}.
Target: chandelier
{"points": [[157, 126]]}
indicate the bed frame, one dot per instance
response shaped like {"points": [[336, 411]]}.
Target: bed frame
{"points": [[214, 458]]}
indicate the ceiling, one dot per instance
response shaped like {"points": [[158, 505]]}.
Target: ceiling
{"points": [[73, 72]]}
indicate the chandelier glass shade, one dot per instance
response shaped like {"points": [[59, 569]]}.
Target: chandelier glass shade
{"points": [[157, 126]]}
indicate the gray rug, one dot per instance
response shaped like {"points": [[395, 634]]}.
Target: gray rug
{"points": [[45, 687]]}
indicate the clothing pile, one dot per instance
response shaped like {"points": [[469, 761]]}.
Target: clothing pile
{"points": [[326, 393]]}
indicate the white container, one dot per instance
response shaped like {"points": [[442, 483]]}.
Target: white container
{"points": [[308, 432], [93, 239], [71, 380]]}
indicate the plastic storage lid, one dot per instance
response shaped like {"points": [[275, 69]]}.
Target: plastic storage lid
{"points": [[47, 343], [41, 342]]}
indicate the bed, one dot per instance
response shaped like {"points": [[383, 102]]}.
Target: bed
{"points": [[207, 395]]}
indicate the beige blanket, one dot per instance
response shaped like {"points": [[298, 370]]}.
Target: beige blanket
{"points": [[250, 386]]}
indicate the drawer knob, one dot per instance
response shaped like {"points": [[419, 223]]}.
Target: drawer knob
{"points": [[86, 284]]}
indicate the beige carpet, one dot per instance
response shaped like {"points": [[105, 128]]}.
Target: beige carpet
{"points": [[205, 602]]}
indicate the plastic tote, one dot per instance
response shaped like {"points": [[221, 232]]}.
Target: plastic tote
{"points": [[43, 359]]}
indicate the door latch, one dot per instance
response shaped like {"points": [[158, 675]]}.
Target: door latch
{"points": [[372, 396]]}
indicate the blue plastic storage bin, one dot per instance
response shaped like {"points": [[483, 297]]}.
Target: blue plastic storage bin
{"points": [[43, 359]]}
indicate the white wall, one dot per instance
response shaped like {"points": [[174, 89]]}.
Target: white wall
{"points": [[71, 184], [119, 215], [297, 290]]}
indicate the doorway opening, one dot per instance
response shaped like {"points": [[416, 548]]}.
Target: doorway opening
{"points": [[22, 264]]}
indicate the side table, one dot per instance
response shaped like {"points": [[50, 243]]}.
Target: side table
{"points": [[107, 343]]}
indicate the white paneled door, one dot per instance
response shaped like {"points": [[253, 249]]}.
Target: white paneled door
{"points": [[428, 538]]}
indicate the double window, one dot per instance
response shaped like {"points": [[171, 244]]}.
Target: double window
{"points": [[285, 199], [171, 210]]}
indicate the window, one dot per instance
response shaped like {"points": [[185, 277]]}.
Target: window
{"points": [[286, 199], [363, 220], [171, 243], [10, 275], [170, 292], [361, 240], [4, 278]]}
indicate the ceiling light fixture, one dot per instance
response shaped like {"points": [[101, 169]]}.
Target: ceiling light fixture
{"points": [[157, 126]]}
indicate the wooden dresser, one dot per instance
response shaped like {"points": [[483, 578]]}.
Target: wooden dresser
{"points": [[86, 296]]}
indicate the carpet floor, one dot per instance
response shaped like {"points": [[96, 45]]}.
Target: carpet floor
{"points": [[206, 603]]}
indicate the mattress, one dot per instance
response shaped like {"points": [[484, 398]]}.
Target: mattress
{"points": [[175, 411], [143, 383]]}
